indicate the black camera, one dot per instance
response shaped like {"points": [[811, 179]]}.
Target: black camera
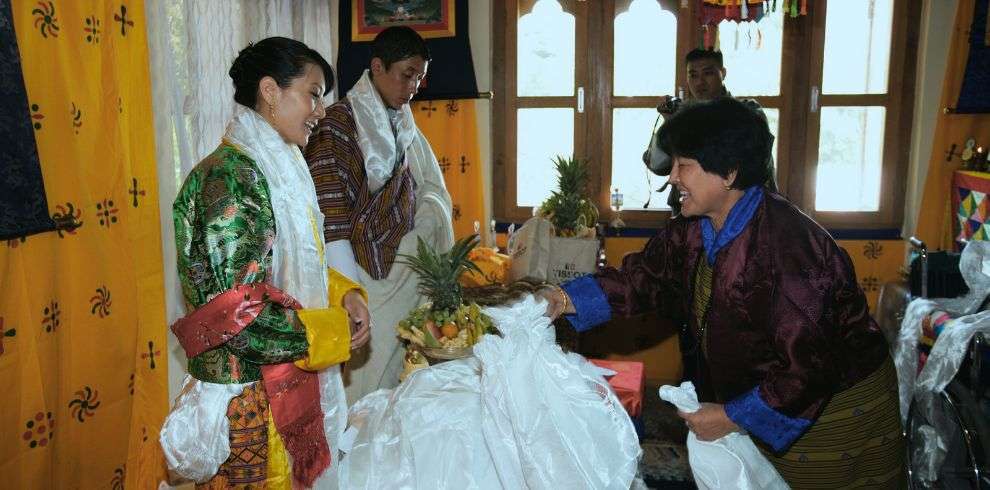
{"points": [[670, 105]]}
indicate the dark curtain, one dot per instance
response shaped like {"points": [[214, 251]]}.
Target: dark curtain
{"points": [[450, 74]]}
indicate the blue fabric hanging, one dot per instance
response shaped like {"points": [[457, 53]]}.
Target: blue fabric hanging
{"points": [[23, 205]]}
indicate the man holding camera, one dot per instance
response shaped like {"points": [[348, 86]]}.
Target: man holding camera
{"points": [[706, 75]]}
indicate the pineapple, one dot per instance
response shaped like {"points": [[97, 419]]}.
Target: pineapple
{"points": [[446, 321], [570, 211], [439, 272]]}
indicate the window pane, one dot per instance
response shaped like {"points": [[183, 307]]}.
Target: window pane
{"points": [[751, 54], [546, 51], [850, 153], [645, 50], [541, 135], [773, 120], [857, 46], [630, 137]]}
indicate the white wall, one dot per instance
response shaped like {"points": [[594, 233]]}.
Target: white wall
{"points": [[934, 37]]}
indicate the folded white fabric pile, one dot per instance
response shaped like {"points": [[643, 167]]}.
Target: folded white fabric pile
{"points": [[519, 414]]}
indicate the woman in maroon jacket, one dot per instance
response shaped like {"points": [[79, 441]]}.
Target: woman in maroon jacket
{"points": [[776, 333]]}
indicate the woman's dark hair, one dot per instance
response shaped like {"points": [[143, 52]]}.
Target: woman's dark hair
{"points": [[398, 43], [281, 58], [722, 135]]}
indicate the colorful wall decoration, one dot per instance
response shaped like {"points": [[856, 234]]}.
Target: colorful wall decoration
{"points": [[430, 18]]}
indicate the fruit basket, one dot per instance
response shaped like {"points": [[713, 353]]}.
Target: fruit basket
{"points": [[445, 327]]}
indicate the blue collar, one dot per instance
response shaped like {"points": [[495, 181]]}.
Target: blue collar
{"points": [[740, 214]]}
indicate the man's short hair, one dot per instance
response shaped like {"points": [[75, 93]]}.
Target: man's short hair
{"points": [[704, 54], [398, 43], [722, 135]]}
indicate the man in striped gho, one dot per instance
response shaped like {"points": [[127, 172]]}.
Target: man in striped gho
{"points": [[379, 187]]}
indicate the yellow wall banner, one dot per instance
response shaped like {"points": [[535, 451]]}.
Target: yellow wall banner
{"points": [[82, 312], [451, 127]]}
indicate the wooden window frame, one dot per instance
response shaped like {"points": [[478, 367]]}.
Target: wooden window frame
{"points": [[797, 133]]}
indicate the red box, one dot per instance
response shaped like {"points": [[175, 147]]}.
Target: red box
{"points": [[628, 383]]}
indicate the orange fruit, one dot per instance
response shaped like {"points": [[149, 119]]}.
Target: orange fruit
{"points": [[449, 330]]}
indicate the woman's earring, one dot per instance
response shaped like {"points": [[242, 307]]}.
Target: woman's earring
{"points": [[271, 110]]}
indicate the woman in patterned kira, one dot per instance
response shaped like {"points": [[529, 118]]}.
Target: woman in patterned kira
{"points": [[267, 322]]}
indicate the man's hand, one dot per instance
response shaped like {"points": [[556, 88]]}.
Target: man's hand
{"points": [[710, 422], [358, 317]]}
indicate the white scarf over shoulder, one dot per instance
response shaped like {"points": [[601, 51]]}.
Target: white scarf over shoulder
{"points": [[382, 145], [297, 261]]}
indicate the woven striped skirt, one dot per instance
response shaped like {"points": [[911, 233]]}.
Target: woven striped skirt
{"points": [[856, 442]]}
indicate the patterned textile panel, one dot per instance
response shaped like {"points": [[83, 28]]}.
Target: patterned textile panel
{"points": [[82, 311], [451, 127], [969, 200]]}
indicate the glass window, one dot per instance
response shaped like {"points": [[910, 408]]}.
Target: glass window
{"points": [[645, 50], [850, 153], [546, 51], [751, 53], [631, 132], [857, 46], [773, 120], [541, 135]]}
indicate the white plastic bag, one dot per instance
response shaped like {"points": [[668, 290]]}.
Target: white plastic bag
{"points": [[521, 414], [732, 461]]}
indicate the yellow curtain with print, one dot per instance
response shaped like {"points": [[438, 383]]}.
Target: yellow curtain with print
{"points": [[451, 127], [83, 356]]}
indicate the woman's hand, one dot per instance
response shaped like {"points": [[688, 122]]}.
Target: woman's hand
{"points": [[558, 302], [358, 317], [710, 422]]}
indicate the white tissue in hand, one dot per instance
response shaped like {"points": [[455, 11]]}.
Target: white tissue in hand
{"points": [[732, 461]]}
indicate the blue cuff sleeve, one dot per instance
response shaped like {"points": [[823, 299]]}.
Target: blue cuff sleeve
{"points": [[750, 412], [590, 302]]}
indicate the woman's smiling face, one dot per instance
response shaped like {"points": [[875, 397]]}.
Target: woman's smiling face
{"points": [[295, 110], [702, 193]]}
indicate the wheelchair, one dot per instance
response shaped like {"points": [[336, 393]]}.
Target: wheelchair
{"points": [[960, 414]]}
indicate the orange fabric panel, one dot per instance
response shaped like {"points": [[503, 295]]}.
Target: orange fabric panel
{"points": [[451, 127], [83, 314]]}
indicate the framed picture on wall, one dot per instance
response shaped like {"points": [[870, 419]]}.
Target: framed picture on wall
{"points": [[430, 18]]}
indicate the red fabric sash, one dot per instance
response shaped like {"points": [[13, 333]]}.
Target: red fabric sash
{"points": [[224, 316], [294, 398], [293, 393]]}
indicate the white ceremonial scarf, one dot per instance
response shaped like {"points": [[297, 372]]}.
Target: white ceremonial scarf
{"points": [[380, 145], [298, 260], [297, 255]]}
